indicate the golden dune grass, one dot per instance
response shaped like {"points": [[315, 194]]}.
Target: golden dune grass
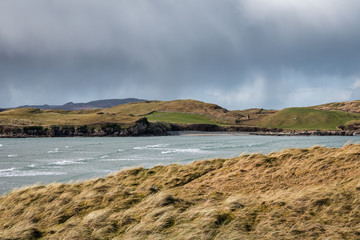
{"points": [[350, 106], [292, 194]]}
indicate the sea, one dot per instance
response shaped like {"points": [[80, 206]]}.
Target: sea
{"points": [[29, 161]]}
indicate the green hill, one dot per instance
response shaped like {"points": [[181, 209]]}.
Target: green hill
{"points": [[307, 119], [186, 112], [178, 111], [183, 118]]}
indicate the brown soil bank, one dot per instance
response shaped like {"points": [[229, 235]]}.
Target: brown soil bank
{"points": [[293, 194]]}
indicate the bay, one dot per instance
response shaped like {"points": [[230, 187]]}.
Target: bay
{"points": [[29, 161]]}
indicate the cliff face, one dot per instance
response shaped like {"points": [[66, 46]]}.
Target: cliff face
{"points": [[145, 128], [292, 194]]}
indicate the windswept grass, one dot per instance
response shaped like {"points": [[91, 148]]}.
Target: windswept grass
{"points": [[37, 117], [350, 106], [292, 194], [307, 119]]}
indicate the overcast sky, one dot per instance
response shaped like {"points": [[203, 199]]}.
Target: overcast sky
{"points": [[235, 53]]}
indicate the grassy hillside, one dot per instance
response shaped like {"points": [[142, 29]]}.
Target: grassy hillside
{"points": [[308, 119], [37, 117], [215, 112], [350, 106], [184, 112], [184, 118], [293, 194], [122, 114], [178, 111], [184, 106]]}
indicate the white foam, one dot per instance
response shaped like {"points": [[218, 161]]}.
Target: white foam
{"points": [[65, 162], [55, 151], [188, 150], [66, 146], [1, 145], [105, 156], [18, 173], [12, 155], [120, 150], [119, 159], [156, 146], [131, 158], [7, 170]]}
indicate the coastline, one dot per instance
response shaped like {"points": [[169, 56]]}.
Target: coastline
{"points": [[145, 128]]}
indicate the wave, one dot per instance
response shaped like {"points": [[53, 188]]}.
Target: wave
{"points": [[257, 144], [156, 146], [1, 145], [135, 158], [7, 169], [19, 173], [12, 155], [65, 162], [31, 166], [122, 159], [119, 159], [188, 150], [55, 151]]}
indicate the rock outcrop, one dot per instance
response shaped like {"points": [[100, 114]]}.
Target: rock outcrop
{"points": [[144, 128], [140, 128]]}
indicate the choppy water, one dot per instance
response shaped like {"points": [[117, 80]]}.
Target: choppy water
{"points": [[44, 160]]}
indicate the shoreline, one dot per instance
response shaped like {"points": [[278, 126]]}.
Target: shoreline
{"points": [[145, 128]]}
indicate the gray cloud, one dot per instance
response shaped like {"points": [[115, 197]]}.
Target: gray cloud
{"points": [[236, 53]]}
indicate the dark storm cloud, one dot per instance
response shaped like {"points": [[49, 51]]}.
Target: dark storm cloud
{"points": [[237, 53]]}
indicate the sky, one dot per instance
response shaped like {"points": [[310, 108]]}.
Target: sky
{"points": [[236, 53]]}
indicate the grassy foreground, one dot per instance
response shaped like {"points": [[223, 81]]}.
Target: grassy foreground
{"points": [[292, 194]]}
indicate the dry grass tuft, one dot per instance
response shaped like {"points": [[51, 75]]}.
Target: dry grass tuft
{"points": [[292, 194]]}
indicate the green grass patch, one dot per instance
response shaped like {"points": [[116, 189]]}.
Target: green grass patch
{"points": [[176, 117], [308, 119]]}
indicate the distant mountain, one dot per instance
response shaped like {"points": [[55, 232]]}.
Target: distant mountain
{"points": [[106, 103]]}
